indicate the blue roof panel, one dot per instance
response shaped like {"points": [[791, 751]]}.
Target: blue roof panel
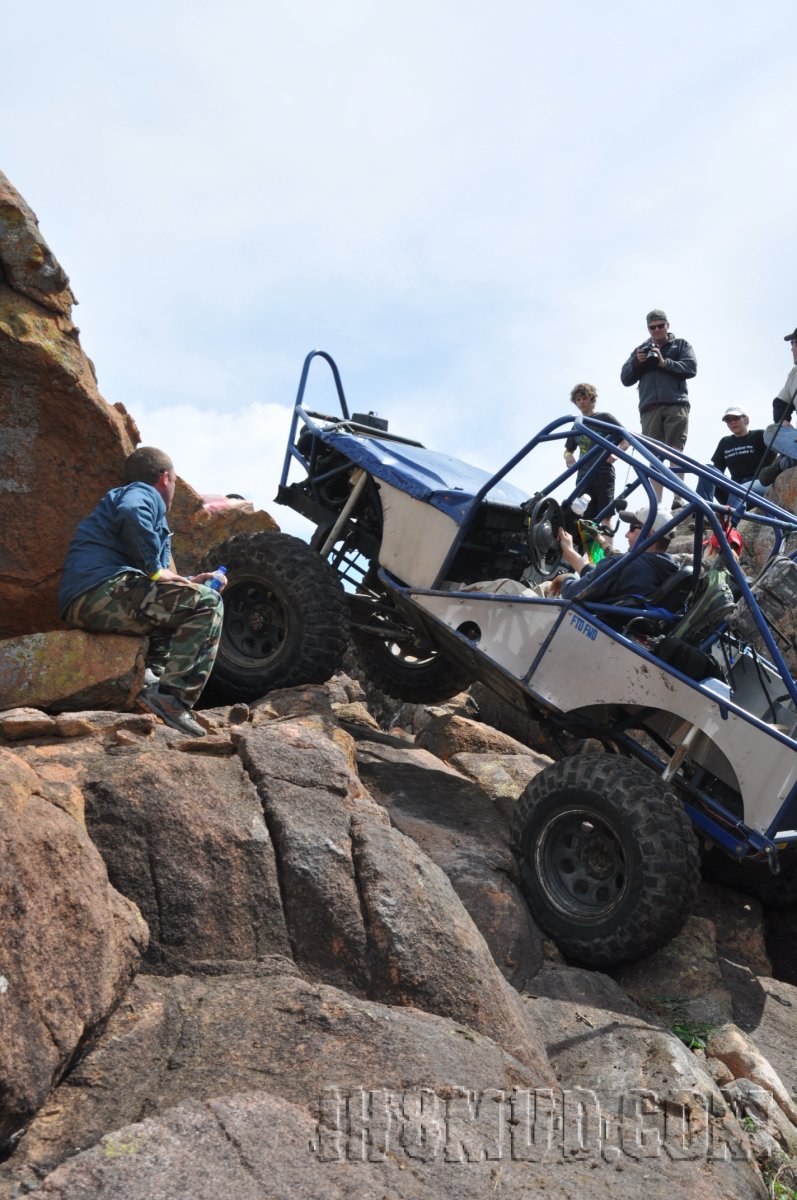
{"points": [[438, 479]]}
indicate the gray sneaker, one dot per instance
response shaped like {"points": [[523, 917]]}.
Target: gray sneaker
{"points": [[169, 709]]}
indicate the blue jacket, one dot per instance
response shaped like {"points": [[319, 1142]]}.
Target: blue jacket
{"points": [[127, 531], [662, 385], [638, 575]]}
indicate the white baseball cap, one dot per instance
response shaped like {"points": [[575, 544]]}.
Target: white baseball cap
{"points": [[661, 518]]}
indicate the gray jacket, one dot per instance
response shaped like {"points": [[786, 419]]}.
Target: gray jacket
{"points": [[662, 385]]}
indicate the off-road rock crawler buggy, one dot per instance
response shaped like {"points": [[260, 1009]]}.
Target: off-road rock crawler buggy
{"points": [[688, 693]]}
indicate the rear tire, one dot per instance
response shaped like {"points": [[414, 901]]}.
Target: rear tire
{"points": [[407, 669], [417, 680], [608, 858], [285, 617]]}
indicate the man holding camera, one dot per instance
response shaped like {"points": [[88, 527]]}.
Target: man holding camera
{"points": [[660, 367]]}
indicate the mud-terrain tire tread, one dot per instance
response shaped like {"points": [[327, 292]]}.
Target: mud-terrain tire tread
{"points": [[317, 611], [429, 683], [658, 840]]}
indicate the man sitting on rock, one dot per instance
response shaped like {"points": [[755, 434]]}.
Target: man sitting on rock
{"points": [[118, 578]]}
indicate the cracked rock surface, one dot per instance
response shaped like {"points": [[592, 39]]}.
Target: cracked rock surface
{"points": [[324, 1004]]}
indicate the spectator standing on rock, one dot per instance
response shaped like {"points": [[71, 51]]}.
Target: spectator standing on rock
{"points": [[742, 454], [600, 488], [660, 367], [118, 578], [780, 436], [785, 402]]}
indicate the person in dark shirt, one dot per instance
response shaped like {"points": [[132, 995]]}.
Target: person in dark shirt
{"points": [[660, 368], [742, 454], [600, 488], [638, 575]]}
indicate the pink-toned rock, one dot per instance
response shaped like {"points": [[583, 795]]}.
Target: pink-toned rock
{"points": [[504, 777], [743, 1058], [184, 837], [71, 670], [455, 823], [257, 1146], [395, 929], [683, 980], [70, 943], [449, 735], [758, 539], [61, 445], [259, 1027], [17, 724]]}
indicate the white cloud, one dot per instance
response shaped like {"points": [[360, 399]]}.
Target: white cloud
{"points": [[472, 207]]}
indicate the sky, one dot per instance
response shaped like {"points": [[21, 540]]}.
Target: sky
{"points": [[471, 207]]}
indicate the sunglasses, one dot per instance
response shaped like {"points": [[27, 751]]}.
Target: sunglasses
{"points": [[659, 325], [635, 526]]}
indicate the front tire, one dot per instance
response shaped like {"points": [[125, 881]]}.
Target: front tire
{"points": [[608, 858], [285, 617]]}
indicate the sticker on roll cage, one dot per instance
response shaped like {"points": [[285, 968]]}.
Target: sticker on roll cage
{"points": [[583, 626]]}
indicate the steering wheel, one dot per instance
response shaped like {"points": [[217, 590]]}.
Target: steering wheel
{"points": [[545, 521]]}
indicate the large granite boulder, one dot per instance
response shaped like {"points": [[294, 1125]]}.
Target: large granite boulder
{"points": [[258, 1027], [61, 444], [70, 943], [69, 670]]}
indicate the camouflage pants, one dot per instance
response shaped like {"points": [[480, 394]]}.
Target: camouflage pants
{"points": [[183, 622]]}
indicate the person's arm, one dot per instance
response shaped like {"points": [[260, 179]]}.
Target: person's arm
{"points": [[718, 460], [783, 404], [570, 446], [782, 410], [577, 562], [631, 370], [140, 529], [685, 364], [140, 517], [590, 576], [718, 457]]}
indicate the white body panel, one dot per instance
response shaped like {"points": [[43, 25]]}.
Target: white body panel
{"points": [[582, 666], [416, 561]]}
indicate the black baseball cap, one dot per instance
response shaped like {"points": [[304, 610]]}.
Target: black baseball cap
{"points": [[791, 337]]}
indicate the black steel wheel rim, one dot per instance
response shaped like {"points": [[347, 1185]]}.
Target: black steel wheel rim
{"points": [[256, 622], [581, 864]]}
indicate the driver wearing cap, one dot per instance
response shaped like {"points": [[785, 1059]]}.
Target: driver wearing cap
{"points": [[637, 574]]}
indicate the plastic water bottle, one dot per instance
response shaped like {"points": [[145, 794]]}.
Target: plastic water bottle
{"points": [[216, 583]]}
